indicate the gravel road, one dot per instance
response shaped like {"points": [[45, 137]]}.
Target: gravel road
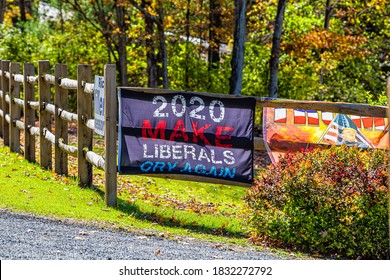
{"points": [[29, 237]]}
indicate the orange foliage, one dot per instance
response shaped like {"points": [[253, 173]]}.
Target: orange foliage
{"points": [[324, 45]]}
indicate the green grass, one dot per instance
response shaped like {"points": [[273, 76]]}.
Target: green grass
{"points": [[208, 211]]}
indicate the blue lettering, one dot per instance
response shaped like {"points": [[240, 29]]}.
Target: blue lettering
{"points": [[146, 166], [187, 168], [171, 166], [99, 125], [213, 171], [228, 173], [149, 166], [201, 167], [159, 164]]}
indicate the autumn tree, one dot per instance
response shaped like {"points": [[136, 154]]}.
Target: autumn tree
{"points": [[339, 54], [214, 37], [331, 50], [153, 12], [237, 61], [25, 8], [329, 11], [112, 20], [275, 52]]}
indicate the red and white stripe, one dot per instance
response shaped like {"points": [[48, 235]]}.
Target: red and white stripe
{"points": [[379, 123], [312, 117], [299, 117], [280, 115], [332, 134], [327, 117]]}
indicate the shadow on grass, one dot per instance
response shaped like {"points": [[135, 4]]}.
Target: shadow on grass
{"points": [[134, 211]]}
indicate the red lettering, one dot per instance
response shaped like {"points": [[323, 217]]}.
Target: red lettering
{"points": [[219, 136], [199, 132], [148, 132], [179, 131], [222, 133]]}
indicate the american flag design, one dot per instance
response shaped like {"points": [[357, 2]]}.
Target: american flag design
{"points": [[333, 134]]}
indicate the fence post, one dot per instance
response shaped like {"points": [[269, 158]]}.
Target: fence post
{"points": [[1, 103], [5, 89], [14, 110], [29, 113], [84, 134], [61, 126], [44, 116], [110, 134]]}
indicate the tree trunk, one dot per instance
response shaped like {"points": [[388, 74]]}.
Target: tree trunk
{"points": [[237, 62], [3, 5], [22, 6], [153, 71], [163, 47], [151, 58], [150, 55], [275, 52], [328, 13], [122, 62], [214, 41], [122, 43]]}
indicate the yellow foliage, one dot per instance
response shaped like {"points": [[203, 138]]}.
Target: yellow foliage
{"points": [[168, 21], [116, 30], [11, 13]]}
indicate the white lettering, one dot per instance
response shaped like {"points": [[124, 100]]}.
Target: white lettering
{"points": [[177, 152], [145, 146], [229, 157], [189, 150], [165, 151], [203, 155]]}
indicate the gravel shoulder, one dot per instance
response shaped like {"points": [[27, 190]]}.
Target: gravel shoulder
{"points": [[29, 237]]}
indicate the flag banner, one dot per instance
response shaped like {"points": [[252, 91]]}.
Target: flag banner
{"points": [[294, 130], [187, 134]]}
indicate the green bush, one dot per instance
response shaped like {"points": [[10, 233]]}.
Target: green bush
{"points": [[330, 202]]}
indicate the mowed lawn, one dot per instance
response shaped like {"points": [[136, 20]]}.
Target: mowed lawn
{"points": [[172, 207]]}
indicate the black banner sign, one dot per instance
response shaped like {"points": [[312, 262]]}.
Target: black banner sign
{"points": [[186, 133]]}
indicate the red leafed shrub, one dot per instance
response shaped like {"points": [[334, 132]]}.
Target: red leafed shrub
{"points": [[331, 202]]}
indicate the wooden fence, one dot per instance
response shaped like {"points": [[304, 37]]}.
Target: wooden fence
{"points": [[18, 114]]}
